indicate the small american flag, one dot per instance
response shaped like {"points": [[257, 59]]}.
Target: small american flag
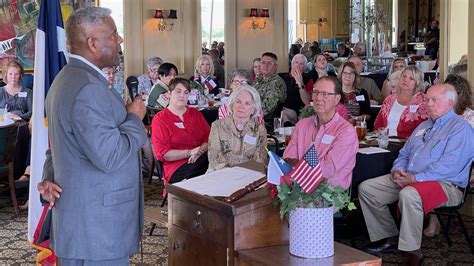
{"points": [[307, 172]]}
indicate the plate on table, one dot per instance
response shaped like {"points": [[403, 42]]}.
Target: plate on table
{"points": [[6, 122]]}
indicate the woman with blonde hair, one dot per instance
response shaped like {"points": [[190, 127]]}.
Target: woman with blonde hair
{"points": [[402, 112], [237, 138], [204, 74], [16, 99]]}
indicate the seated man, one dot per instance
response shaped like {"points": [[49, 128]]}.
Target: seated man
{"points": [[271, 88], [335, 139], [297, 86], [440, 150], [367, 83]]}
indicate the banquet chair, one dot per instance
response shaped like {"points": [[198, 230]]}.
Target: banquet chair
{"points": [[8, 136], [453, 211]]}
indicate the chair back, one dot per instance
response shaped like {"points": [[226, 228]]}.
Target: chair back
{"points": [[8, 143], [468, 187]]}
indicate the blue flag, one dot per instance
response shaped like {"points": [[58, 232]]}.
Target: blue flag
{"points": [[277, 167], [50, 50]]}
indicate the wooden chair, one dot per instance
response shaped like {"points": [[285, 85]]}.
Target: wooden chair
{"points": [[8, 137], [453, 211]]}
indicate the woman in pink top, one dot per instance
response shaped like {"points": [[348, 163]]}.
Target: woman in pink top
{"points": [[335, 139]]}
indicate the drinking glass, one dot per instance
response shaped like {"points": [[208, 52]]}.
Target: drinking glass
{"points": [[276, 125], [2, 114], [382, 138], [361, 129], [202, 101], [210, 100], [287, 131]]}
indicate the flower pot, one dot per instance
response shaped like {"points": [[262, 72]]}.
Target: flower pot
{"points": [[312, 232]]}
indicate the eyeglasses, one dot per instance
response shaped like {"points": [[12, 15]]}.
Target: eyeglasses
{"points": [[239, 82], [155, 70], [348, 74], [266, 62], [325, 94]]}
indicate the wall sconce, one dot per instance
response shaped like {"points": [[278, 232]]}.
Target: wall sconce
{"points": [[162, 25], [263, 14], [322, 21]]}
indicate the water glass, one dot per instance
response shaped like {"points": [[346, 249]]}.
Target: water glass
{"points": [[2, 114], [202, 101], [382, 138], [276, 125]]}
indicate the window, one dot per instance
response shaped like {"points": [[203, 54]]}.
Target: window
{"points": [[212, 21]]}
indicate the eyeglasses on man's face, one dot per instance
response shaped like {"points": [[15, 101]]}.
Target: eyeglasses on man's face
{"points": [[325, 94], [266, 62], [154, 70]]}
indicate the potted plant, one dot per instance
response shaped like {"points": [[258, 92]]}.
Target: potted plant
{"points": [[310, 215]]}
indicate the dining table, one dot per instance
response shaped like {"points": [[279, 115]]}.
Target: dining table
{"points": [[370, 164]]}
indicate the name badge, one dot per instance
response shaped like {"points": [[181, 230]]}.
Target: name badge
{"points": [[192, 98], [22, 94], [179, 125], [413, 108], [250, 140], [360, 98], [420, 132], [327, 139]]}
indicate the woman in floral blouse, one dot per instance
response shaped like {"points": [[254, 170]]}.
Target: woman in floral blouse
{"points": [[402, 112], [237, 138]]}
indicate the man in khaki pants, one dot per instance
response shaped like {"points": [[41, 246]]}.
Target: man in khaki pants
{"points": [[441, 150]]}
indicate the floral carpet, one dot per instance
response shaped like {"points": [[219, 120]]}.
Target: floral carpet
{"points": [[15, 250]]}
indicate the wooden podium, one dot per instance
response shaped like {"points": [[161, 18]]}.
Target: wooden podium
{"points": [[205, 231]]}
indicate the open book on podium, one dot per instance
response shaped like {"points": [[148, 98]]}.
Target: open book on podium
{"points": [[226, 182], [205, 230]]}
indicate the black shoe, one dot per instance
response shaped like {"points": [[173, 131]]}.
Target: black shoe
{"points": [[413, 259], [381, 247]]}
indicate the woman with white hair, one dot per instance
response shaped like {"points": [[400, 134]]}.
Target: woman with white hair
{"points": [[402, 112], [204, 74], [147, 80], [237, 138]]}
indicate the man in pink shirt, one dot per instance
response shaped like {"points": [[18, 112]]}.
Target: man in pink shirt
{"points": [[335, 139]]}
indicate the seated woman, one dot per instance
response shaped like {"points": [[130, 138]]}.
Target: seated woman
{"points": [[402, 112], [237, 138], [320, 68], [147, 80], [237, 78], [356, 100], [397, 64], [204, 74], [180, 135], [14, 98], [256, 72], [159, 94]]}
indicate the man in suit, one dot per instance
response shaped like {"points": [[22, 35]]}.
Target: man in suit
{"points": [[95, 143]]}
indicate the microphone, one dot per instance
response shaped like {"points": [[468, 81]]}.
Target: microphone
{"points": [[132, 85]]}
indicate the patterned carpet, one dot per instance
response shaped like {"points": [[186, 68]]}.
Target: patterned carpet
{"points": [[15, 250]]}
